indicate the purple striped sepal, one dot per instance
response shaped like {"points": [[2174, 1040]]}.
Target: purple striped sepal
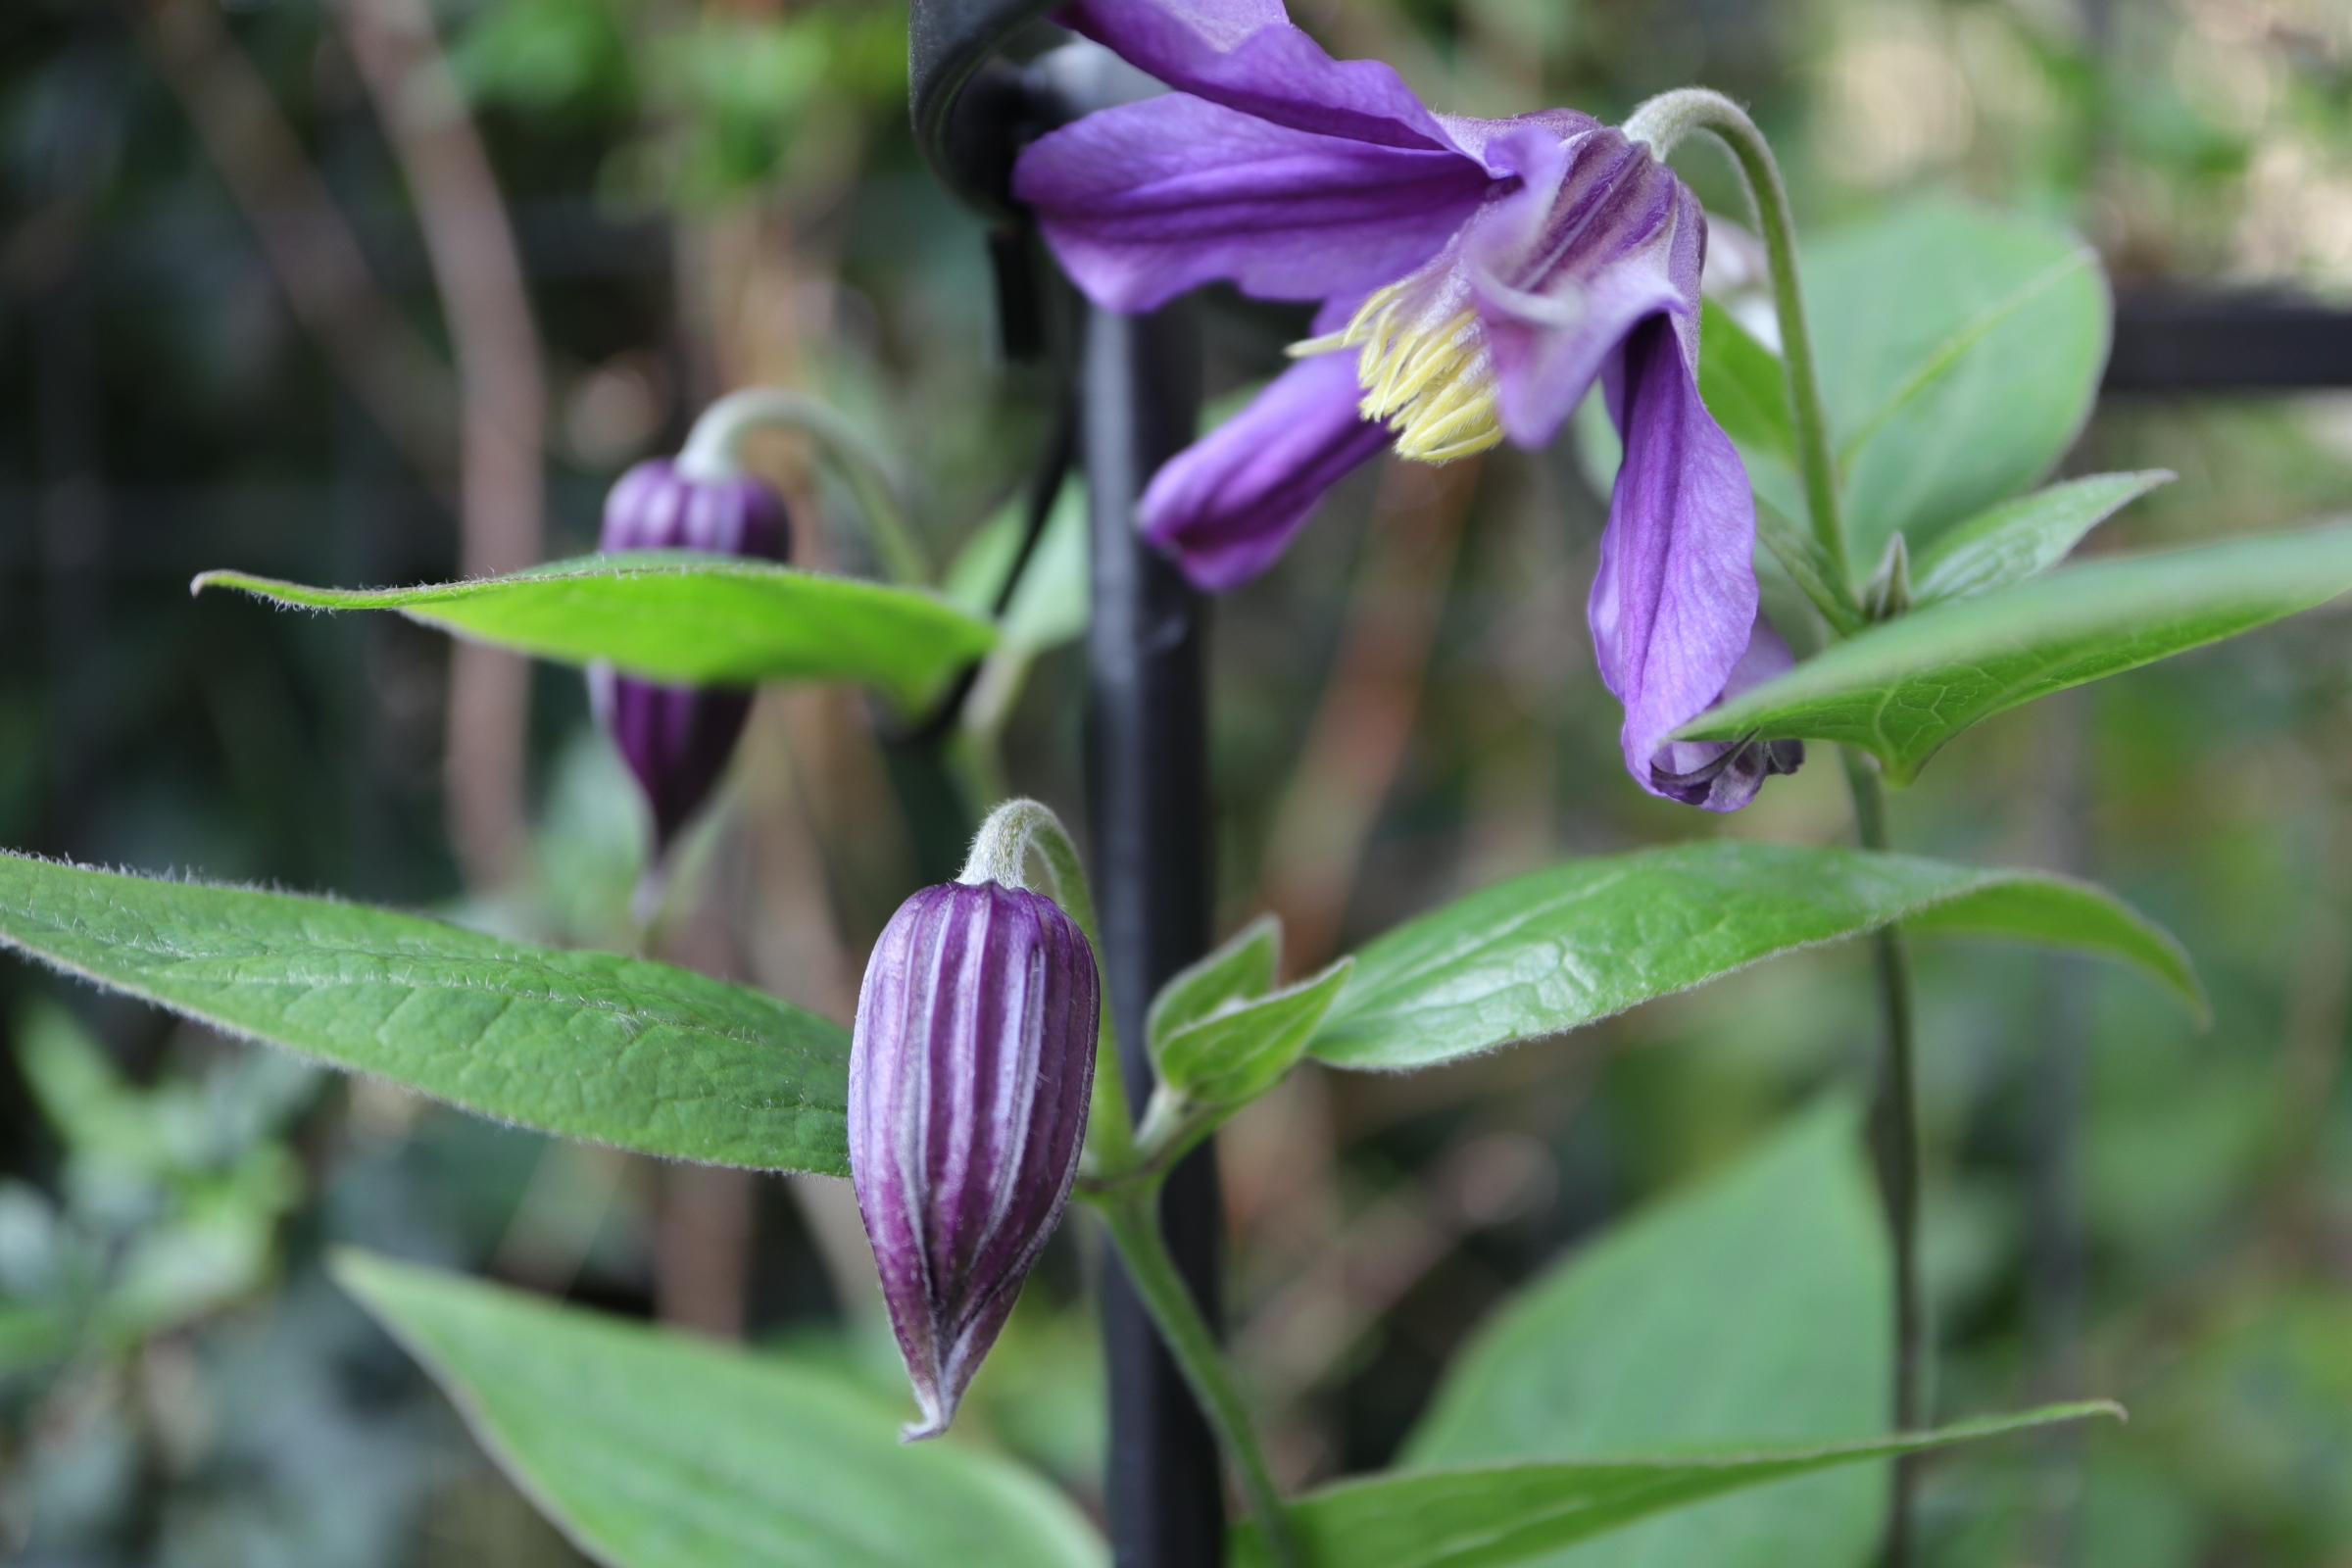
{"points": [[677, 740], [969, 1071]]}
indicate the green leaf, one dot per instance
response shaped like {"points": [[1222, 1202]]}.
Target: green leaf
{"points": [[1743, 384], [589, 1044], [1503, 1514], [1242, 966], [2019, 540], [657, 1450], [1242, 1049], [1900, 690], [1564, 947], [1626, 1349], [677, 616], [32, 1336], [1959, 352]]}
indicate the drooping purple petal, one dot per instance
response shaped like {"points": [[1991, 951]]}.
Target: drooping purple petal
{"points": [[1674, 600], [1724, 776], [969, 1070], [1226, 505], [1147, 200], [1599, 237], [1246, 55]]}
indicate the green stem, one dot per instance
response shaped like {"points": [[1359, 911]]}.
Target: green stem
{"points": [[1001, 852], [1663, 121], [1897, 1117], [714, 450], [1132, 1210], [1121, 1179]]}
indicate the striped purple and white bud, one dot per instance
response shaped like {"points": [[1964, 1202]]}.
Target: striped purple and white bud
{"points": [[970, 1068], [677, 740]]}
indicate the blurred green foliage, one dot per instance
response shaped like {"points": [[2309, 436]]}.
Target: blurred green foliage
{"points": [[709, 193]]}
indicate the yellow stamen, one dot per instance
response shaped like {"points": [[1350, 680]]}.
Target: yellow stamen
{"points": [[1432, 379]]}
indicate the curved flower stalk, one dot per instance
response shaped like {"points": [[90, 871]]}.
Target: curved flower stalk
{"points": [[1477, 278], [970, 1069], [677, 739]]}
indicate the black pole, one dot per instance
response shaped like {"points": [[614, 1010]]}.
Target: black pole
{"points": [[1147, 801]]}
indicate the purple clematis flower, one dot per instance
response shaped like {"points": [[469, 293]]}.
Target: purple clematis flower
{"points": [[677, 740], [969, 1072], [1477, 277]]}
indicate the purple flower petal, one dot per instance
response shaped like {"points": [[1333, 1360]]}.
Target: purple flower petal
{"points": [[1599, 237], [1724, 776], [1246, 55], [1674, 601], [1226, 505], [1147, 200]]}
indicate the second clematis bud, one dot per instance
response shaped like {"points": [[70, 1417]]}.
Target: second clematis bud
{"points": [[970, 1069], [677, 739]]}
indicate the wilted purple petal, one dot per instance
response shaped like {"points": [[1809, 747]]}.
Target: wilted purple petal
{"points": [[1147, 200], [969, 1070], [1226, 505], [1246, 55], [1674, 599], [677, 739]]}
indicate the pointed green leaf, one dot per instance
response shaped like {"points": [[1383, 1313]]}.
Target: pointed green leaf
{"points": [[1959, 352], [2019, 540], [589, 1044], [1564, 947], [1242, 966], [1502, 1514], [1242, 1049], [1900, 690], [1626, 1347], [677, 616], [657, 1450]]}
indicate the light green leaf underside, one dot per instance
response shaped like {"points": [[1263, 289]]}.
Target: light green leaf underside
{"points": [[1959, 352], [1242, 966], [657, 1450], [588, 1045], [1901, 690], [1626, 1348], [2021, 539], [677, 616], [1242, 1048], [1504, 1514], [1564, 947]]}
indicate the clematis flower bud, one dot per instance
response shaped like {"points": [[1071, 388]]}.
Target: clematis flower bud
{"points": [[677, 739], [969, 1070]]}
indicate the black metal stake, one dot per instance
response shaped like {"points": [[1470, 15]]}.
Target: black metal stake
{"points": [[1147, 801]]}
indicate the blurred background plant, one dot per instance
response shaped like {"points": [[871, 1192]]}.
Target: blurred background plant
{"points": [[229, 336]]}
